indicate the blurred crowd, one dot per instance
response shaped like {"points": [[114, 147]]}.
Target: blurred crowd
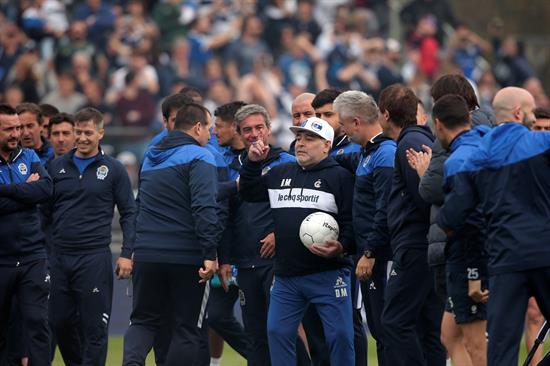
{"points": [[124, 56]]}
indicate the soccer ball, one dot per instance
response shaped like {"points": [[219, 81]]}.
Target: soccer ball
{"points": [[318, 228]]}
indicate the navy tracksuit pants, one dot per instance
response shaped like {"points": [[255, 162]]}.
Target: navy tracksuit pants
{"points": [[331, 294], [154, 286], [222, 319], [412, 312], [373, 291], [30, 284], [82, 284], [509, 294]]}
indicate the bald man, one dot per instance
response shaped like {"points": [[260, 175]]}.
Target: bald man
{"points": [[301, 108], [508, 177]]}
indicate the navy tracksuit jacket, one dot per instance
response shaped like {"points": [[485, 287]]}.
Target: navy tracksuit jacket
{"points": [[23, 266], [507, 175], [465, 251], [177, 224]]}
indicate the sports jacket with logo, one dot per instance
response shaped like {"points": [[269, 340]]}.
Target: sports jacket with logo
{"points": [[465, 250], [20, 232], [250, 222], [293, 193], [408, 213], [81, 210], [508, 175], [177, 220]]}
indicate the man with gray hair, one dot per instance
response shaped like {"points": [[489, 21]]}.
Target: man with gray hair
{"points": [[252, 245], [373, 169]]}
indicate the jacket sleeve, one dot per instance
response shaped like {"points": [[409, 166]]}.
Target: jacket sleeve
{"points": [[409, 175], [379, 236], [30, 193], [9, 205], [252, 187], [461, 200], [474, 248], [223, 216], [203, 179], [349, 161], [227, 189], [125, 202], [345, 217], [431, 184]]}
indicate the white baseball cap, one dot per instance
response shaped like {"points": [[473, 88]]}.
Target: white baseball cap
{"points": [[317, 126]]}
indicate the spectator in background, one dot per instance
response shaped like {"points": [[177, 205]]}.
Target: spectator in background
{"points": [[167, 15], [244, 52], [11, 48], [76, 41], [487, 87], [64, 96], [135, 105], [534, 86], [425, 46], [13, 96], [146, 75], [277, 15], [303, 22], [510, 67], [466, 50], [415, 10], [48, 111], [176, 67], [24, 75], [99, 16], [93, 91]]}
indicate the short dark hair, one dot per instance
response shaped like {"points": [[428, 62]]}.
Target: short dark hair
{"points": [[89, 114], [7, 109], [30, 108], [455, 84], [401, 103], [325, 96], [541, 112], [191, 92], [174, 101], [227, 111], [48, 110], [452, 111], [189, 115], [60, 118]]}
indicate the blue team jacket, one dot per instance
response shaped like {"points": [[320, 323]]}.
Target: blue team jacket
{"points": [[465, 250], [45, 153], [20, 230], [177, 220], [81, 210], [408, 213], [250, 222], [508, 175]]}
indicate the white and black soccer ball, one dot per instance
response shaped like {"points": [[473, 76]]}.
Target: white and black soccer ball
{"points": [[318, 228]]}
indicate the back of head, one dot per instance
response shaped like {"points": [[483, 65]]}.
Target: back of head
{"points": [[455, 84], [227, 111], [89, 114], [510, 102], [325, 96], [189, 115], [48, 110], [452, 111], [174, 102], [192, 93], [400, 103], [356, 104]]}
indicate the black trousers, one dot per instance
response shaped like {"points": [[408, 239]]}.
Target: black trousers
{"points": [[412, 312], [30, 284], [223, 321], [82, 284], [156, 285], [509, 294]]}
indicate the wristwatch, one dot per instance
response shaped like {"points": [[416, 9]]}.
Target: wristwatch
{"points": [[369, 254]]}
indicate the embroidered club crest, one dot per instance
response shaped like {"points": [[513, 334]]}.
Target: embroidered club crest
{"points": [[22, 168], [102, 172]]}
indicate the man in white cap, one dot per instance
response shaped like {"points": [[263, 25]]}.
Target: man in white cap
{"points": [[320, 274]]}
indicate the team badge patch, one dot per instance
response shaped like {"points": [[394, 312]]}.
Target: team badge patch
{"points": [[317, 183], [102, 172], [22, 169]]}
